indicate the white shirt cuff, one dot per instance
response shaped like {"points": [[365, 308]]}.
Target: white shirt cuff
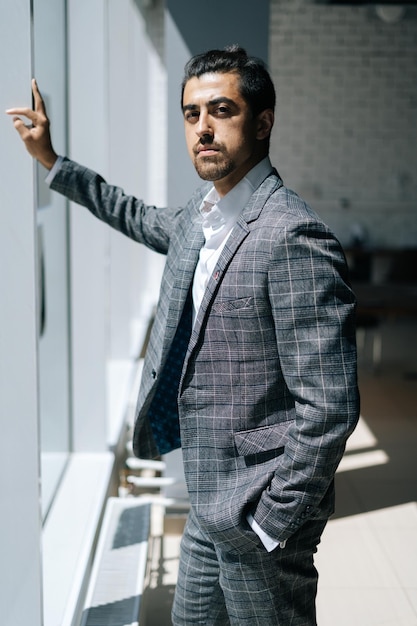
{"points": [[54, 169], [269, 543]]}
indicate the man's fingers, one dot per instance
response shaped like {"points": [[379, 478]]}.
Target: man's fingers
{"points": [[19, 123], [35, 135], [39, 104], [22, 129], [35, 115], [31, 115]]}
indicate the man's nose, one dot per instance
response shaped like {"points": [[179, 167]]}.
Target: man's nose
{"points": [[204, 128]]}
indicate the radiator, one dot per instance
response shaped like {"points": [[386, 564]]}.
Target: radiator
{"points": [[117, 578]]}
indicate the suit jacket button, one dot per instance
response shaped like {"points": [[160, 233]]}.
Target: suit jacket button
{"points": [[153, 374]]}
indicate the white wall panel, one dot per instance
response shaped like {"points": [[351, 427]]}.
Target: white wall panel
{"points": [[20, 587], [89, 246]]}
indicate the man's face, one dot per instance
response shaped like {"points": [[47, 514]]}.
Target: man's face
{"points": [[222, 136]]}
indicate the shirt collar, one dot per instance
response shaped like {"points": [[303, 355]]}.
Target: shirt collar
{"points": [[229, 206]]}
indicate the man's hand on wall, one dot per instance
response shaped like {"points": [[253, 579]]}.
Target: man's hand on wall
{"points": [[36, 136]]}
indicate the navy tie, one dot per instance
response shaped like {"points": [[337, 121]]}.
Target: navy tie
{"points": [[163, 412]]}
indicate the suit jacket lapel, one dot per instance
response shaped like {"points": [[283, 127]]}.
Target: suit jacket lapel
{"points": [[256, 203], [239, 233], [193, 241]]}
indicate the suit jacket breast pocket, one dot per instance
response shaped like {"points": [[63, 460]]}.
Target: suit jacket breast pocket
{"points": [[230, 307], [258, 445]]}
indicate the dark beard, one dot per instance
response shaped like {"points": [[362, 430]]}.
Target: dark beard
{"points": [[209, 169]]}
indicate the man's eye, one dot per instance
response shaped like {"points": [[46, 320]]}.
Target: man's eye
{"points": [[222, 110], [192, 116]]}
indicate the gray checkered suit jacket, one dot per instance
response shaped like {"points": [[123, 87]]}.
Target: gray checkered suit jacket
{"points": [[268, 394]]}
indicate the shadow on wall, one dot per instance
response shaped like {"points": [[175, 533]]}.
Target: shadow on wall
{"points": [[152, 12]]}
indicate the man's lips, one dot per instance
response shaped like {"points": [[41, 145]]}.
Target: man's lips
{"points": [[206, 150]]}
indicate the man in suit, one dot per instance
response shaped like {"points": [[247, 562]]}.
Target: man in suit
{"points": [[264, 394]]}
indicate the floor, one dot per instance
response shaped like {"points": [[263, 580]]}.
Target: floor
{"points": [[367, 559]]}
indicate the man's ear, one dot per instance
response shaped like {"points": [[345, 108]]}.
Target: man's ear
{"points": [[265, 121]]}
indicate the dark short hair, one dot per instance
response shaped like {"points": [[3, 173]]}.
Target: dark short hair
{"points": [[256, 84]]}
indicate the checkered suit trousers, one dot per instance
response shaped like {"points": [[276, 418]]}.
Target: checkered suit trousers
{"points": [[221, 588]]}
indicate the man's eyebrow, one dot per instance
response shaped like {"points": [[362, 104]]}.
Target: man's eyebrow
{"points": [[220, 100], [210, 103], [189, 107]]}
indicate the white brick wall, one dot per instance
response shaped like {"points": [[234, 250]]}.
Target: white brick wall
{"points": [[346, 131]]}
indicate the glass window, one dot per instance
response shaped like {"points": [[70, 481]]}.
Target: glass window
{"points": [[53, 294]]}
